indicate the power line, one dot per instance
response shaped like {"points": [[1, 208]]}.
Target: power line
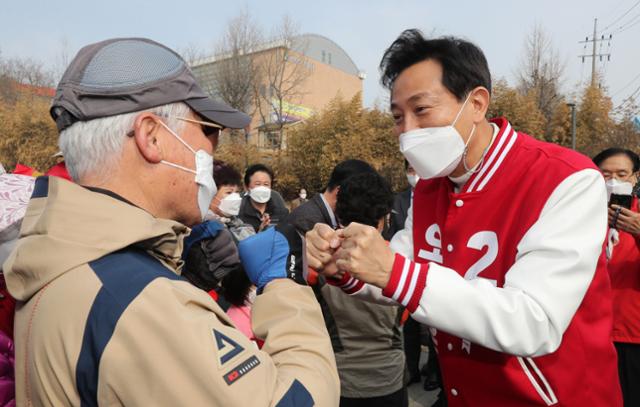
{"points": [[614, 10], [629, 99], [626, 86], [626, 27], [631, 20], [622, 16]]}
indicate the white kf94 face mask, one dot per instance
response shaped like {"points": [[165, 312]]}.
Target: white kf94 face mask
{"points": [[435, 151], [260, 194], [412, 179], [204, 174], [230, 205]]}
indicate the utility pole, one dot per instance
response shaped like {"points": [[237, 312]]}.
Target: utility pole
{"points": [[573, 124], [594, 54]]}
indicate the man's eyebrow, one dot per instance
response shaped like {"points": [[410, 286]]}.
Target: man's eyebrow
{"points": [[413, 98]]}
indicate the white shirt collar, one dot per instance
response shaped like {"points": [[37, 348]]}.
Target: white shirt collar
{"points": [[462, 179], [334, 223]]}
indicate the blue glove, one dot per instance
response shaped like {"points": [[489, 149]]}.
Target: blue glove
{"points": [[274, 253]]}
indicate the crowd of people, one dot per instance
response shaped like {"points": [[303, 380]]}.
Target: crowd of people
{"points": [[141, 271]]}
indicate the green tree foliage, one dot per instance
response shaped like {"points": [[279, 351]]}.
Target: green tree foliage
{"points": [[625, 133], [29, 136], [560, 125], [520, 109], [342, 131], [594, 122]]}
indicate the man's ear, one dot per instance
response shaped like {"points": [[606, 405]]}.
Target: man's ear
{"points": [[145, 131], [480, 99]]}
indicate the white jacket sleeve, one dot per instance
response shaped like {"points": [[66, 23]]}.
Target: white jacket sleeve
{"points": [[555, 263], [402, 241]]}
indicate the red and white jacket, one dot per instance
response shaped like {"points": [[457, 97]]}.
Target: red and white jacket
{"points": [[510, 274], [624, 270]]}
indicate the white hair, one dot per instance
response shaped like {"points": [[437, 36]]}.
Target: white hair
{"points": [[95, 146]]}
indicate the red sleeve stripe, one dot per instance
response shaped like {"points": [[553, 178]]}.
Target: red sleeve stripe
{"points": [[353, 287], [407, 282], [348, 284]]}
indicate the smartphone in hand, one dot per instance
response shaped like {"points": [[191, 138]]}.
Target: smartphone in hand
{"points": [[621, 200]]}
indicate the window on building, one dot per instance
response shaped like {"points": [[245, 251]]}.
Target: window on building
{"points": [[323, 56], [329, 58], [270, 139]]}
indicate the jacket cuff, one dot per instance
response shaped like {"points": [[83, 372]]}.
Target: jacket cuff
{"points": [[347, 283], [407, 282]]}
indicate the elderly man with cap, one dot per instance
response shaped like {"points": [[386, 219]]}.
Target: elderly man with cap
{"points": [[103, 316]]}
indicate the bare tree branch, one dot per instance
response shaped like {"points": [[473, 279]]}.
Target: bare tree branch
{"points": [[236, 72], [541, 71], [283, 70]]}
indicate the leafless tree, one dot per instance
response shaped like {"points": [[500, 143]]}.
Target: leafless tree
{"points": [[21, 71], [191, 53], [283, 69], [541, 71], [26, 71], [235, 70]]}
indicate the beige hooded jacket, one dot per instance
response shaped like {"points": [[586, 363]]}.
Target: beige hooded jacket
{"points": [[105, 319]]}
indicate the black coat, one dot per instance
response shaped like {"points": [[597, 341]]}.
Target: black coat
{"points": [[401, 204], [305, 216], [276, 208]]}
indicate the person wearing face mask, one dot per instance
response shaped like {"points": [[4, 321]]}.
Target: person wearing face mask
{"points": [[261, 206], [103, 314], [210, 251], [502, 251], [401, 203], [620, 168], [225, 206], [300, 199]]}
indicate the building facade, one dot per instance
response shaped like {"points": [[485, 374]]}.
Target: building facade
{"points": [[294, 80]]}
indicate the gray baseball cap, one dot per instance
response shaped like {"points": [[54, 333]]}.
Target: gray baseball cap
{"points": [[124, 75]]}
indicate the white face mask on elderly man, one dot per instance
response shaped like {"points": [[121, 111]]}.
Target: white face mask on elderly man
{"points": [[204, 174], [435, 151], [260, 194]]}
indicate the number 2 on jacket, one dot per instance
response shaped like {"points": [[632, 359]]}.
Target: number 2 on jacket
{"points": [[478, 241]]}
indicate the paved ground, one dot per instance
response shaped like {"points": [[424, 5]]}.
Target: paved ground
{"points": [[418, 397]]}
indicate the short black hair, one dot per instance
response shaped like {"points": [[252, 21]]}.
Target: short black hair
{"points": [[346, 169], [364, 198], [236, 287], [225, 174], [613, 151], [464, 66], [256, 168]]}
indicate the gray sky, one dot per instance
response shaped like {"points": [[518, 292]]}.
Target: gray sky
{"points": [[39, 29]]}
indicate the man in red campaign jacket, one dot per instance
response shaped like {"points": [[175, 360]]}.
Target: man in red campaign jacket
{"points": [[619, 168], [502, 251]]}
